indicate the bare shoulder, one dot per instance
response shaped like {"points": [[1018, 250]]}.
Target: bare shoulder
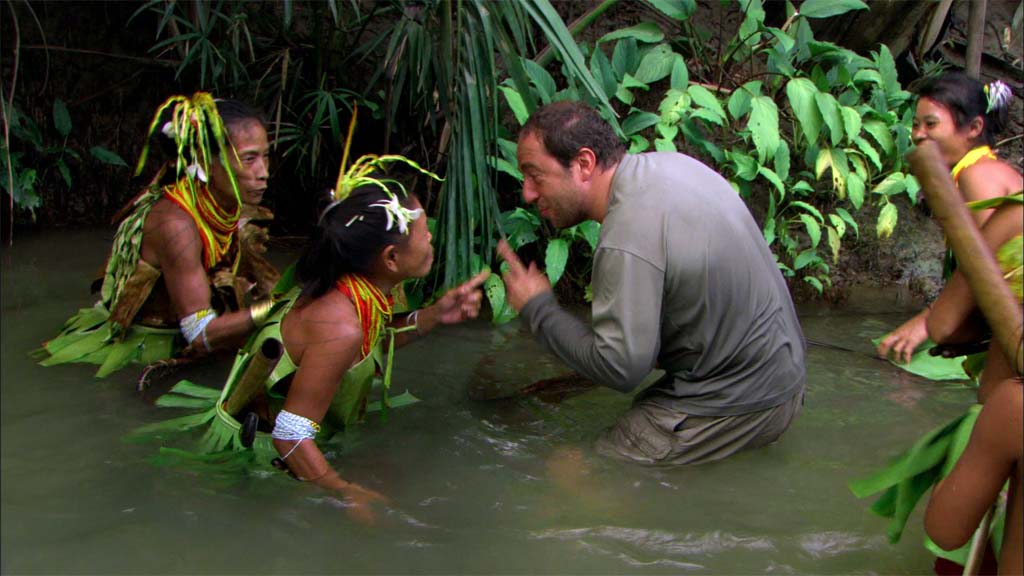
{"points": [[330, 322], [989, 179], [169, 230]]}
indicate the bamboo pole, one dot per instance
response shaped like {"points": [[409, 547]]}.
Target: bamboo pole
{"points": [[263, 362]]}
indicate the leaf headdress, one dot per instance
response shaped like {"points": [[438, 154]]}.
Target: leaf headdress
{"points": [[362, 172]]}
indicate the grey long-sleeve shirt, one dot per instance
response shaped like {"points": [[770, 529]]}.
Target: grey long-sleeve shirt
{"points": [[683, 280]]}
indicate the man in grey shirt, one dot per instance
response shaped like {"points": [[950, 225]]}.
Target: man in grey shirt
{"points": [[682, 280]]}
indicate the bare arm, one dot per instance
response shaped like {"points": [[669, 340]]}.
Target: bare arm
{"points": [[456, 306], [325, 339], [979, 274], [171, 243]]}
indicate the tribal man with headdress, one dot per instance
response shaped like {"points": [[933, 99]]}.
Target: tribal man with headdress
{"points": [[186, 259]]}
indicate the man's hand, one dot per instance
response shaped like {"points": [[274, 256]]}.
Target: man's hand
{"points": [[521, 283], [462, 302]]}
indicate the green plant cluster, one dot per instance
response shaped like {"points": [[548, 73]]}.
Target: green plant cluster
{"points": [[818, 129], [27, 155]]}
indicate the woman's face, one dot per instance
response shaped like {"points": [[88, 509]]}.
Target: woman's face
{"points": [[416, 254], [933, 121], [250, 162]]}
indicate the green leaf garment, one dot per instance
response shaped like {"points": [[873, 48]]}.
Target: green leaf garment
{"points": [[221, 439], [911, 474]]}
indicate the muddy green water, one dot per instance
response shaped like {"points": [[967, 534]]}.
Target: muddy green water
{"points": [[475, 485]]}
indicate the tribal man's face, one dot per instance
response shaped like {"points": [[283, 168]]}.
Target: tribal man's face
{"points": [[250, 162]]}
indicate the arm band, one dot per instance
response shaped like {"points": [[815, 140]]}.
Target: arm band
{"points": [[194, 325]]}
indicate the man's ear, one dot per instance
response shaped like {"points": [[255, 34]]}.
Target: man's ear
{"points": [[586, 160], [389, 257]]}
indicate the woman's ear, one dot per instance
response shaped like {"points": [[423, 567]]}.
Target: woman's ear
{"points": [[975, 127], [389, 257]]}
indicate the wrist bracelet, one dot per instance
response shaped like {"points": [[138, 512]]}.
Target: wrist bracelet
{"points": [[260, 312], [413, 320]]}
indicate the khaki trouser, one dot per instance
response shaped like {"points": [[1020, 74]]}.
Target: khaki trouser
{"points": [[650, 433]]}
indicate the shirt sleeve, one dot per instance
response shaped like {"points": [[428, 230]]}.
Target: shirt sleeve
{"points": [[620, 348]]}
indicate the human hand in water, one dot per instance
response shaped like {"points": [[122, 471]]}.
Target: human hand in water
{"points": [[457, 305], [359, 500], [522, 283], [902, 341]]}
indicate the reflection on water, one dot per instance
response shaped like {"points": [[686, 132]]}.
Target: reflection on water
{"points": [[471, 472]]}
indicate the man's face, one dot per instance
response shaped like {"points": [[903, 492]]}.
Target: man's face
{"points": [[250, 162], [555, 189]]}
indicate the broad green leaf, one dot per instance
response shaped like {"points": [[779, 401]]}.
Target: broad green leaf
{"points": [[815, 283], [673, 106], [667, 131], [541, 79], [624, 95], [833, 242], [774, 179], [625, 57], [851, 123], [813, 229], [703, 97], [892, 185], [803, 186], [887, 69], [656, 64], [868, 75], [782, 160], [913, 187], [838, 224], [809, 256], [638, 144], [676, 9], [886, 220], [769, 231], [855, 190], [601, 68], [630, 82], [800, 92], [107, 157], [828, 8], [739, 102], [494, 288], [591, 232], [752, 22], [881, 134], [662, 145], [869, 151], [555, 257], [516, 104], [645, 32], [829, 109], [680, 78], [849, 220], [65, 173], [639, 120], [809, 209], [746, 166], [61, 117], [764, 126]]}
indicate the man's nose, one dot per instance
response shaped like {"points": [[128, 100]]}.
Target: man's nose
{"points": [[262, 169], [529, 194]]}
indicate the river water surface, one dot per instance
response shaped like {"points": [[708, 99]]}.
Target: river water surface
{"points": [[477, 484]]}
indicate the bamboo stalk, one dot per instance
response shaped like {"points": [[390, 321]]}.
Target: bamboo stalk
{"points": [[263, 362]]}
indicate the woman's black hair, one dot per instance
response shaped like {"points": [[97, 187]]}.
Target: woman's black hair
{"points": [[965, 98], [349, 236]]}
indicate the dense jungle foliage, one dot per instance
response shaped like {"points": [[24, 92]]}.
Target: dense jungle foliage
{"points": [[810, 133]]}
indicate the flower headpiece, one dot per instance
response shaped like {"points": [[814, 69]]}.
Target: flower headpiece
{"points": [[998, 95], [193, 121], [361, 173]]}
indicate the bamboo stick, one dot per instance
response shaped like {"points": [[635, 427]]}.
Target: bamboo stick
{"points": [[263, 362]]}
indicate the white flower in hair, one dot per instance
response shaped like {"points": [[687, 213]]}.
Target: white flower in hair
{"points": [[998, 94], [397, 214], [196, 171]]}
